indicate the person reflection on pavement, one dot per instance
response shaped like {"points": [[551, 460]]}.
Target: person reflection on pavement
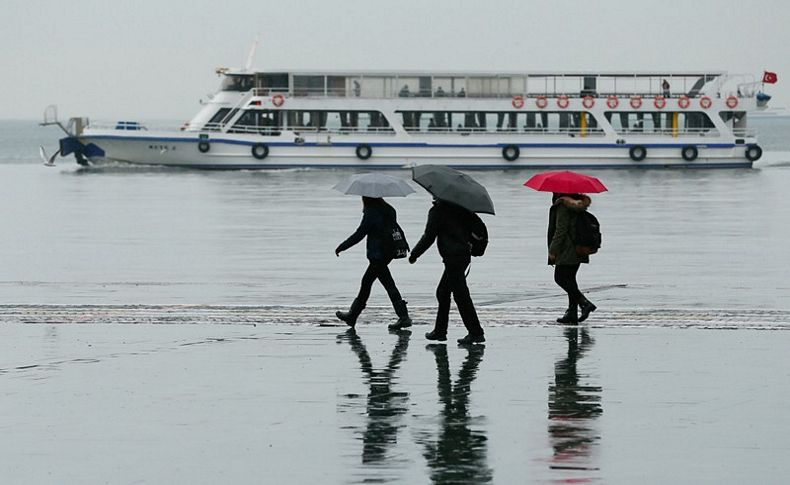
{"points": [[572, 408], [384, 406], [459, 454]]}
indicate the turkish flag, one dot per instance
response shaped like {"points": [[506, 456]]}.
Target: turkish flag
{"points": [[769, 77]]}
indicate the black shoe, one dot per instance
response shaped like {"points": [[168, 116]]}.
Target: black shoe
{"points": [[400, 324], [571, 316], [434, 335], [350, 317], [347, 317], [472, 339], [586, 308]]}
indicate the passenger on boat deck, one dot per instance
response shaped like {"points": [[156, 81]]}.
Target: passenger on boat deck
{"points": [[665, 88], [431, 125], [404, 91], [357, 88], [439, 92], [462, 93]]}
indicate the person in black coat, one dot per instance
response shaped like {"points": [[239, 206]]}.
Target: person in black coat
{"points": [[452, 226], [377, 221]]}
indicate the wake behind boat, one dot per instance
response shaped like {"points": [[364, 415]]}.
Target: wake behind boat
{"points": [[384, 120]]}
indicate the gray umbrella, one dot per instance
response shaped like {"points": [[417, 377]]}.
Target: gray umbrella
{"points": [[374, 185], [453, 186]]}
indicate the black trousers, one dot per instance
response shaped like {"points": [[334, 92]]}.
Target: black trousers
{"points": [[565, 277], [453, 282], [378, 270]]}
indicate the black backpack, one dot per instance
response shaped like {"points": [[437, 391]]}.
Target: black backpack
{"points": [[478, 236], [587, 234], [397, 247]]}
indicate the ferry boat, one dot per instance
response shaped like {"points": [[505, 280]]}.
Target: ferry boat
{"points": [[278, 119]]}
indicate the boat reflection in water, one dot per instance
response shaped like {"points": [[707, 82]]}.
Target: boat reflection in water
{"points": [[573, 408], [459, 454]]}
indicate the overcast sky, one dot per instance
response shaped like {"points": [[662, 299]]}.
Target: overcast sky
{"points": [[149, 59]]}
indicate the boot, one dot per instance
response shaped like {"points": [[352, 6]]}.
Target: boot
{"points": [[472, 339], [571, 316], [350, 317], [403, 316], [434, 335], [586, 307]]}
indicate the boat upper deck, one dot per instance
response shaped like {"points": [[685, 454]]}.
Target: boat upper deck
{"points": [[405, 84]]}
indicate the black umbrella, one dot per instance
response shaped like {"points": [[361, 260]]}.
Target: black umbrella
{"points": [[453, 186]]}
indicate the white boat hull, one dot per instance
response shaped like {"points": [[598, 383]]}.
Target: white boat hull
{"points": [[235, 152]]}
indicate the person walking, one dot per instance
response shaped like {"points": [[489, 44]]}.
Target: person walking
{"points": [[563, 253], [452, 225], [378, 220]]}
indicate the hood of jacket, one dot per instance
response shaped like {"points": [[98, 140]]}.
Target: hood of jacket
{"points": [[578, 204]]}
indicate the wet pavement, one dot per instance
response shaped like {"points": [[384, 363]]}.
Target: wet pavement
{"points": [[288, 401]]}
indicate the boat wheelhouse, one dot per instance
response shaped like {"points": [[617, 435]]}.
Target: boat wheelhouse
{"points": [[372, 120]]}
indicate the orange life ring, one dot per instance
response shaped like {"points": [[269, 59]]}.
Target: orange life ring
{"points": [[278, 100], [732, 101], [588, 102], [683, 102], [541, 102], [705, 102], [518, 102], [612, 102], [562, 101], [636, 102], [659, 102]]}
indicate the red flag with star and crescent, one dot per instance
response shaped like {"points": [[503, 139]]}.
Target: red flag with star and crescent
{"points": [[769, 77]]}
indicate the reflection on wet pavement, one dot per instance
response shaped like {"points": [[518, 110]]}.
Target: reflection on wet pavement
{"points": [[384, 406], [283, 403], [459, 454], [573, 407]]}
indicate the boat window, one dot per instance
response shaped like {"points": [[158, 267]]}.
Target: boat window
{"points": [[269, 83], [336, 86], [265, 122], [660, 122], [222, 116], [550, 122], [338, 121], [308, 86], [219, 115], [235, 82]]}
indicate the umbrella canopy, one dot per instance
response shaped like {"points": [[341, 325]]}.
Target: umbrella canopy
{"points": [[565, 182], [453, 186], [374, 185]]}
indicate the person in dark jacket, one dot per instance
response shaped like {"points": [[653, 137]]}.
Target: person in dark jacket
{"points": [[378, 218], [563, 254], [452, 226]]}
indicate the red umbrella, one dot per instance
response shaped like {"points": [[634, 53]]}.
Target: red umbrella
{"points": [[565, 182]]}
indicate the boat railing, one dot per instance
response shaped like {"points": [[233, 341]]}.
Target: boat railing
{"points": [[693, 85], [344, 93]]}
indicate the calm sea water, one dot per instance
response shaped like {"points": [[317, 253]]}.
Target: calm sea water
{"points": [[673, 239]]}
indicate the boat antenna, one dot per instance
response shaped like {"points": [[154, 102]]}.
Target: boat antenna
{"points": [[251, 56]]}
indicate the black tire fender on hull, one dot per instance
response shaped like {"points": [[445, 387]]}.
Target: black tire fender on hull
{"points": [[511, 152], [364, 151], [204, 147], [260, 151], [753, 153], [689, 153], [637, 153]]}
